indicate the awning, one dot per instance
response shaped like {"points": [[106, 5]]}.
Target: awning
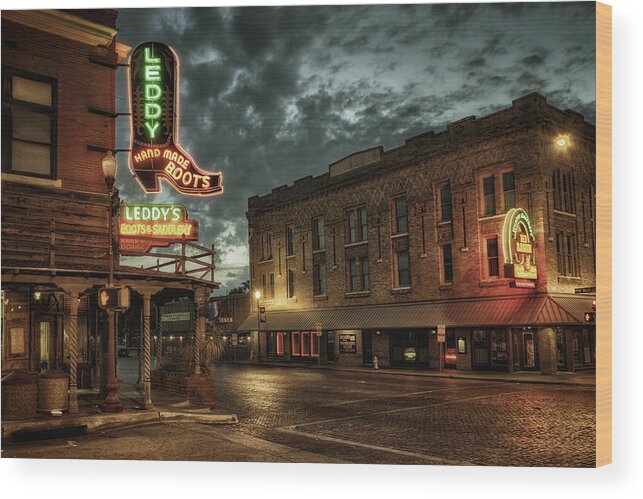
{"points": [[535, 310]]}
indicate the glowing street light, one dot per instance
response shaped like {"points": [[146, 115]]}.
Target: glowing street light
{"points": [[562, 141], [112, 402]]}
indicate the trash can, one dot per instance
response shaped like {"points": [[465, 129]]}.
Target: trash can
{"points": [[19, 395], [52, 391]]}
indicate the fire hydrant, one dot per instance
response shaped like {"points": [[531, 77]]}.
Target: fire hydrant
{"points": [[376, 363]]}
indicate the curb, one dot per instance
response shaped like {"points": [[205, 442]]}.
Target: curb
{"points": [[101, 421], [211, 419], [428, 375]]}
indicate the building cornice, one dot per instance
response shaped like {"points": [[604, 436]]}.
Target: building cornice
{"points": [[63, 24]]}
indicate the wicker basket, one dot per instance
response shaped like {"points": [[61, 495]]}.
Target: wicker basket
{"points": [[19, 396], [52, 391]]}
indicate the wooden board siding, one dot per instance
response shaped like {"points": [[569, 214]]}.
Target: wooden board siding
{"points": [[43, 227]]}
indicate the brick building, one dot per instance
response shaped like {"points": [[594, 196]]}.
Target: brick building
{"points": [[58, 123], [484, 230]]}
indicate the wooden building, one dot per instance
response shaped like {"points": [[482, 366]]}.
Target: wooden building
{"points": [[58, 122]]}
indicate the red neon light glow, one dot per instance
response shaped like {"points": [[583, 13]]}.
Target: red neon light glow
{"points": [[162, 157]]}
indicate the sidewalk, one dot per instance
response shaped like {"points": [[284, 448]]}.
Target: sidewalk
{"points": [[579, 378], [168, 406]]}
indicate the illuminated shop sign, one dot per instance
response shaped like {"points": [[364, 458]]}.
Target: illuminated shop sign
{"points": [[518, 244], [142, 226], [155, 150]]}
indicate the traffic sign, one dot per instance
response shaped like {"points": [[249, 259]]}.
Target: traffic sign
{"points": [[108, 297]]}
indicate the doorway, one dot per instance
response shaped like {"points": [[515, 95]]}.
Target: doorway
{"points": [[48, 346], [409, 348], [330, 346], [525, 350]]}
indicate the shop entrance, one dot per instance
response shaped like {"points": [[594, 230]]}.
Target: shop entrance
{"points": [[367, 347], [409, 348], [47, 336], [330, 346], [490, 349], [525, 350]]}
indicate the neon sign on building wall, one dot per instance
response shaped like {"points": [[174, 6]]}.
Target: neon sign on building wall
{"points": [[155, 150], [518, 244]]}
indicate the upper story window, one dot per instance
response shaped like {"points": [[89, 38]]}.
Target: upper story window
{"points": [[564, 191], [271, 289], [566, 254], [446, 203], [264, 285], [292, 284], [28, 124], [290, 241], [447, 264], [366, 284], [266, 246], [357, 225], [401, 216], [319, 278], [488, 196], [351, 268], [493, 267], [402, 269], [319, 240], [508, 190]]}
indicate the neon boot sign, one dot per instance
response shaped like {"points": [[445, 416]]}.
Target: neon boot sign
{"points": [[154, 100]]}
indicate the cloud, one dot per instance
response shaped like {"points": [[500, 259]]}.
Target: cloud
{"points": [[272, 94]]}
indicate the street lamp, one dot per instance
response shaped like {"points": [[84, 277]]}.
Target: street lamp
{"points": [[258, 296], [112, 402]]}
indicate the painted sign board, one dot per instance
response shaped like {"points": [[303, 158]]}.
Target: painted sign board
{"points": [[156, 153], [177, 317], [143, 226]]}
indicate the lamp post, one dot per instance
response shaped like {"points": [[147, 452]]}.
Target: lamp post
{"points": [[112, 402], [258, 296]]}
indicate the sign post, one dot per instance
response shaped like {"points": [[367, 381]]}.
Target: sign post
{"points": [[318, 331], [442, 335]]}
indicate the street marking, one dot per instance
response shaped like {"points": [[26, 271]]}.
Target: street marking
{"points": [[406, 409], [390, 450], [295, 429], [382, 397]]}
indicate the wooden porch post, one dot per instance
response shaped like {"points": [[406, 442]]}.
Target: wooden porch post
{"points": [[200, 295], [147, 381], [72, 330]]}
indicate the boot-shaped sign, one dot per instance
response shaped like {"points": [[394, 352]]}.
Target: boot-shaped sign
{"points": [[156, 152]]}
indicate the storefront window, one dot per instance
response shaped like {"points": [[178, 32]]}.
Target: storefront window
{"points": [[490, 349]]}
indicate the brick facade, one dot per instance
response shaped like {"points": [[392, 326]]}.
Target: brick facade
{"points": [[85, 79], [457, 187], [518, 139]]}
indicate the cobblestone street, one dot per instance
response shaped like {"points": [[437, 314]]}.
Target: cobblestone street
{"points": [[298, 414], [379, 418]]}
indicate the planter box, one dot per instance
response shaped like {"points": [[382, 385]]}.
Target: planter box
{"points": [[199, 389]]}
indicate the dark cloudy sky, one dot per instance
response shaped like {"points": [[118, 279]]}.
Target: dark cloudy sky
{"points": [[270, 94]]}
